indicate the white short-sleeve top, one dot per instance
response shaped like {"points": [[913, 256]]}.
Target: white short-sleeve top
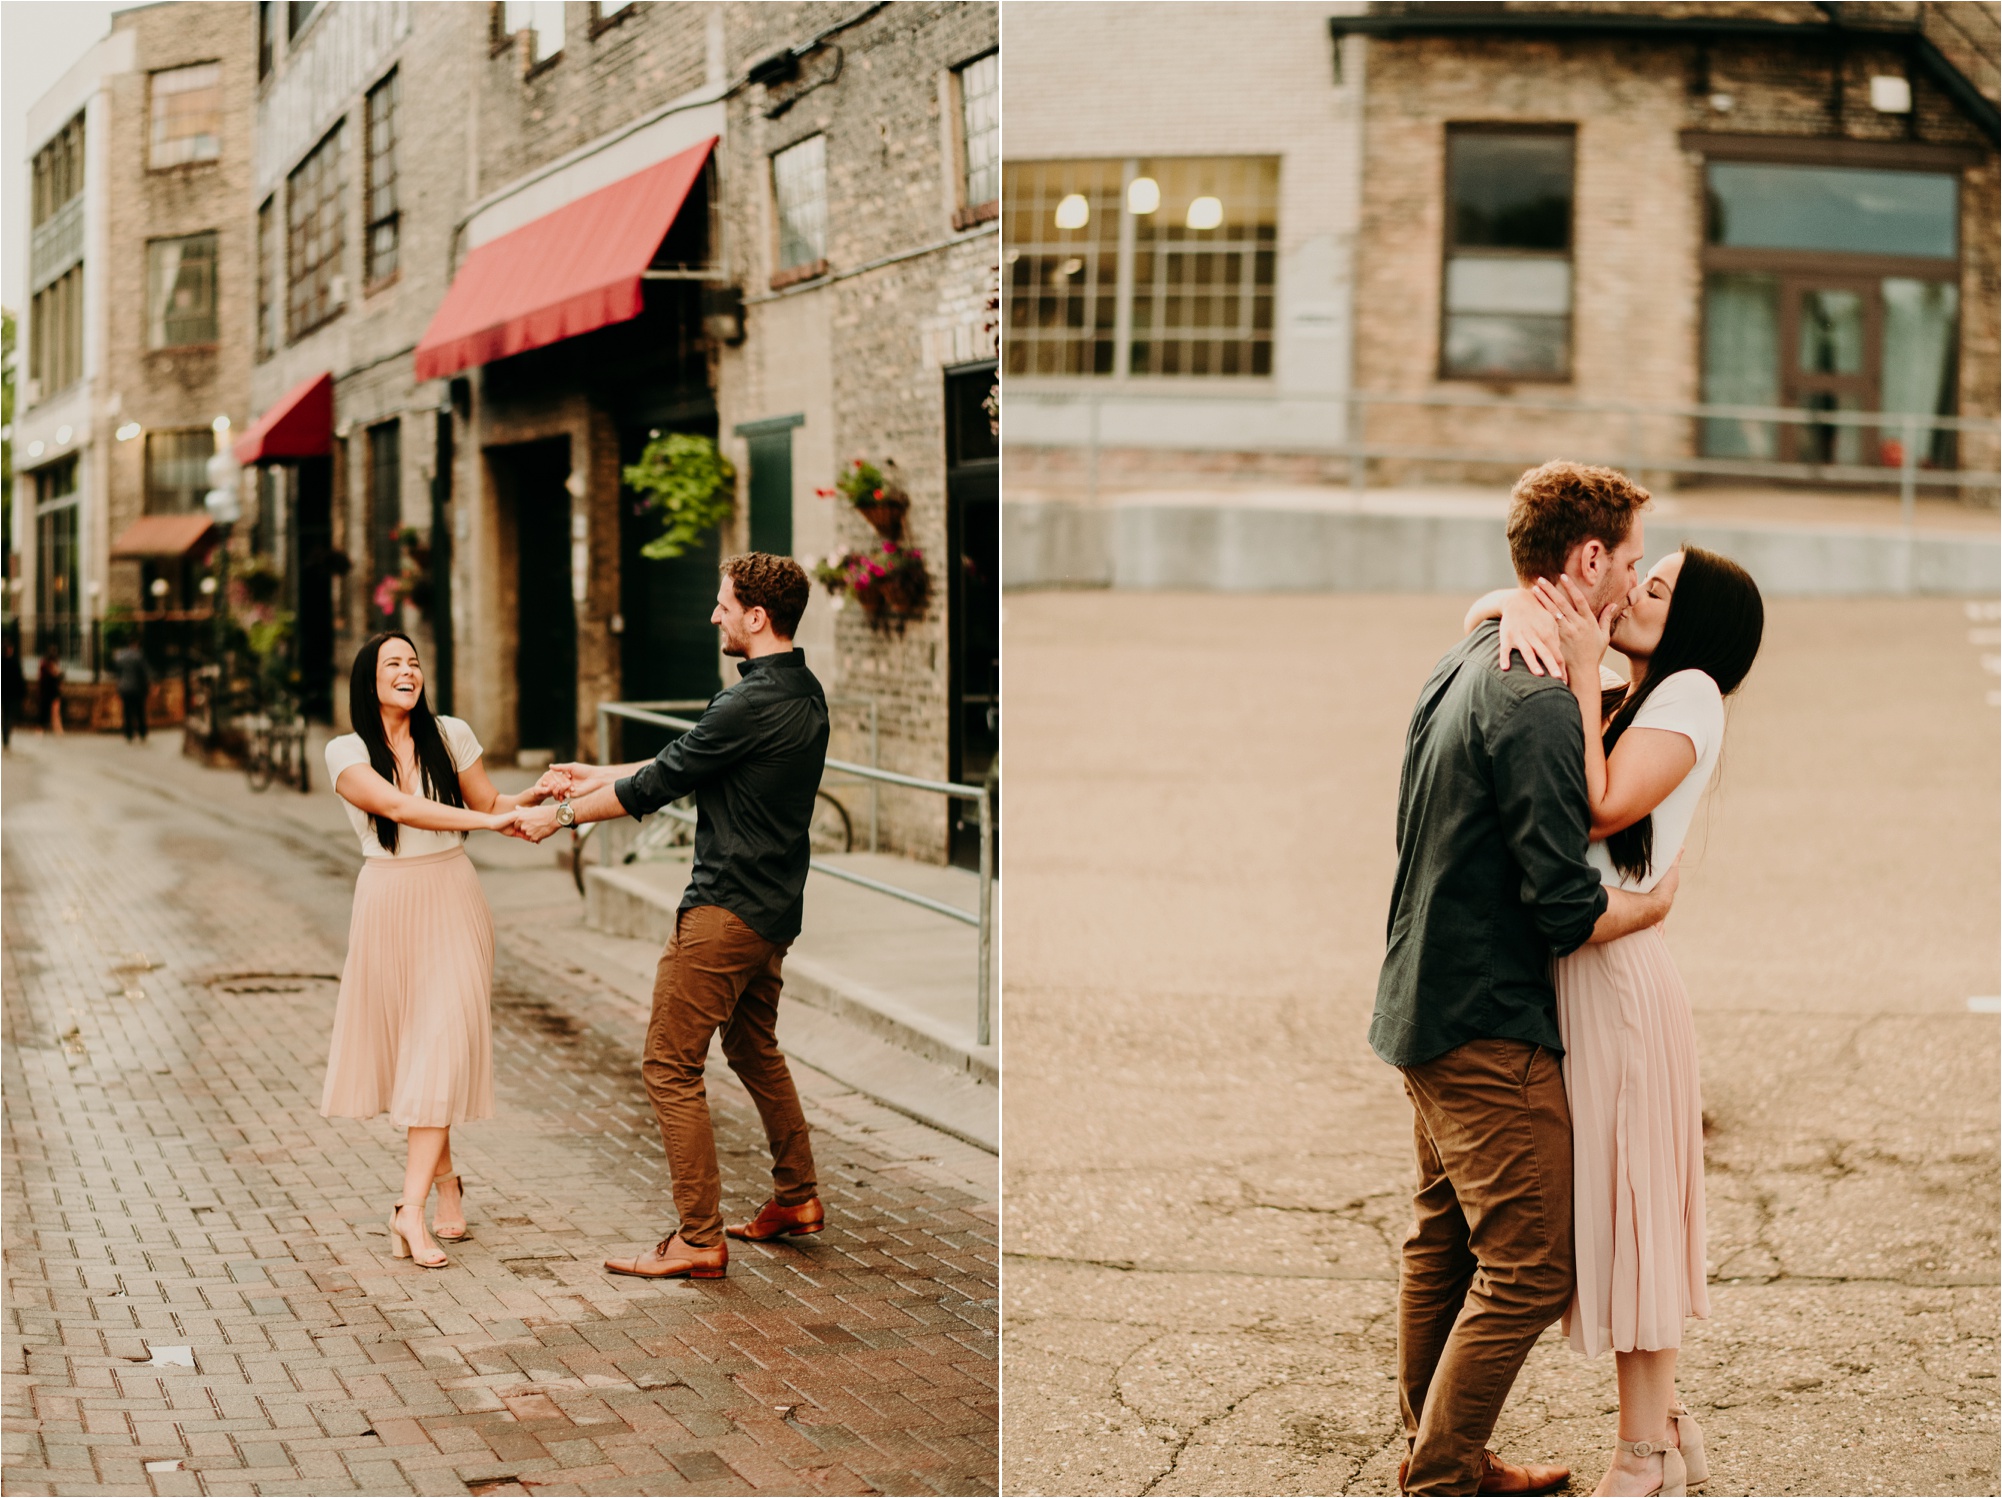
{"points": [[1687, 703], [348, 751]]}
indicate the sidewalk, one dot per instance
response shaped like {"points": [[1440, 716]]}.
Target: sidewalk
{"points": [[882, 991]]}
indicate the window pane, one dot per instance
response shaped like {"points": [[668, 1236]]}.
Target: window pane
{"points": [[182, 300], [1741, 361], [177, 470], [1486, 344], [1921, 322], [980, 105], [1516, 284], [1831, 332], [1509, 189], [542, 18], [1061, 266], [381, 187], [799, 182], [1204, 229], [315, 289], [187, 114], [1834, 208], [268, 270]]}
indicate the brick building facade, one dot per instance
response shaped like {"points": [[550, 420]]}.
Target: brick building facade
{"points": [[137, 330]]}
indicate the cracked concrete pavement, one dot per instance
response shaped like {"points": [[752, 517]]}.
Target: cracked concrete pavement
{"points": [[1207, 1172]]}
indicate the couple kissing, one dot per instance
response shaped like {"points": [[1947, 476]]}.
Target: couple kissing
{"points": [[1528, 996]]}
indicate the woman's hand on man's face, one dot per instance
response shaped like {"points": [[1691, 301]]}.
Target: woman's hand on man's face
{"points": [[1581, 634]]}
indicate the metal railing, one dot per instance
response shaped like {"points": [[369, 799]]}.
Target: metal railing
{"points": [[1630, 451], [982, 918]]}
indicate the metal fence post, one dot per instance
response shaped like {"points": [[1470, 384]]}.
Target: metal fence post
{"points": [[983, 990]]}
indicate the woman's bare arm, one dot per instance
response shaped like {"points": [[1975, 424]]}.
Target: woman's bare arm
{"points": [[1525, 625], [481, 795], [361, 787]]}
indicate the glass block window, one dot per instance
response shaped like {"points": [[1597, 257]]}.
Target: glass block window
{"points": [[799, 188], [1146, 267], [1507, 294], [980, 128], [315, 288], [383, 220], [181, 291], [187, 114], [177, 470]]}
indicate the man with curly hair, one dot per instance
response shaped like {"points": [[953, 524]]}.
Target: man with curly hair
{"points": [[753, 762]]}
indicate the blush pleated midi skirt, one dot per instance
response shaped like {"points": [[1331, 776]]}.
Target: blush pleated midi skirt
{"points": [[413, 1029], [1637, 1145]]}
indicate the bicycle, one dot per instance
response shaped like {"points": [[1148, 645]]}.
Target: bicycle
{"points": [[276, 749], [673, 826]]}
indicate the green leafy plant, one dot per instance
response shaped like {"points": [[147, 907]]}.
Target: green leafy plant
{"points": [[691, 484]]}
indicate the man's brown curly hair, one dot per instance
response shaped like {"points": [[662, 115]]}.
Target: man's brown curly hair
{"points": [[1558, 506], [777, 585]]}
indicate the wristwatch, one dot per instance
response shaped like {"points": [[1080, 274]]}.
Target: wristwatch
{"points": [[566, 814]]}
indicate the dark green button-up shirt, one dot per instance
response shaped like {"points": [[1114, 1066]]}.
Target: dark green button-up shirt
{"points": [[1492, 883], [753, 760]]}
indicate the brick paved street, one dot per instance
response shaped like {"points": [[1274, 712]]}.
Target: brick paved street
{"points": [[169, 984]]}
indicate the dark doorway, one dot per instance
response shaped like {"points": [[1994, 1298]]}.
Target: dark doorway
{"points": [[669, 649], [973, 606], [532, 479], [315, 564]]}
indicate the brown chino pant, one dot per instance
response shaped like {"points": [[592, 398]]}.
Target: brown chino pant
{"points": [[719, 974], [1488, 1264]]}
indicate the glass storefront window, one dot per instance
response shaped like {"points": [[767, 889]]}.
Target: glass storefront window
{"points": [[1754, 205]]}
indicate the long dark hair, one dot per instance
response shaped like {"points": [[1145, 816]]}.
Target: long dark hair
{"points": [[434, 761], [1715, 621]]}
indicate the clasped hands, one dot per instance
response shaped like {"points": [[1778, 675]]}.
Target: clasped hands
{"points": [[533, 817]]}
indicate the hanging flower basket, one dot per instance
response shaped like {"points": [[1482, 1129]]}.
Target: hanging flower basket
{"points": [[889, 582], [875, 495]]}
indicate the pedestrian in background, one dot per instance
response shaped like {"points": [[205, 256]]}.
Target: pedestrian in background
{"points": [[135, 682], [49, 691], [412, 1029], [13, 689], [753, 762]]}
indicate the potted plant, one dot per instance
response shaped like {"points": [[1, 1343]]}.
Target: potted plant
{"points": [[875, 495], [888, 580], [689, 481]]}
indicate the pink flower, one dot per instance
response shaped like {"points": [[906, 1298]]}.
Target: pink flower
{"points": [[385, 595]]}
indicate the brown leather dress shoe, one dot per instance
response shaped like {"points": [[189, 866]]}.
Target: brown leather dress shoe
{"points": [[673, 1259], [774, 1221], [1500, 1477]]}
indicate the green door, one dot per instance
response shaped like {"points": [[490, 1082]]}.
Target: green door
{"points": [[770, 445]]}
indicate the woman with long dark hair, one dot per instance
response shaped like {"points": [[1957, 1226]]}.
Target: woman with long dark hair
{"points": [[1690, 632], [412, 1033]]}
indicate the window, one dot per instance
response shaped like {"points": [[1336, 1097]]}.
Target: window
{"points": [[58, 171], [980, 134], [541, 19], [181, 291], [1507, 301], [315, 288], [270, 265], [187, 114], [380, 187], [1189, 291], [297, 14], [55, 333], [1830, 288], [59, 620], [608, 13], [267, 38], [799, 189], [177, 470], [385, 512]]}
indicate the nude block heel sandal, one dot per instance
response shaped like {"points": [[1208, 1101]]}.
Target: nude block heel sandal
{"points": [[1674, 1475], [399, 1246], [462, 1234], [1690, 1434]]}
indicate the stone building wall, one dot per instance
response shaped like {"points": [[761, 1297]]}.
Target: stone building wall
{"points": [[1638, 221], [861, 353], [183, 388]]}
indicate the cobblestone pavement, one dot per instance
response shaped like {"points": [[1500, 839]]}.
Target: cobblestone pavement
{"points": [[169, 979], [1208, 1173]]}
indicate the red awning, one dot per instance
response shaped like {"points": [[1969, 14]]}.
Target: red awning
{"points": [[299, 425], [568, 272], [157, 536]]}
